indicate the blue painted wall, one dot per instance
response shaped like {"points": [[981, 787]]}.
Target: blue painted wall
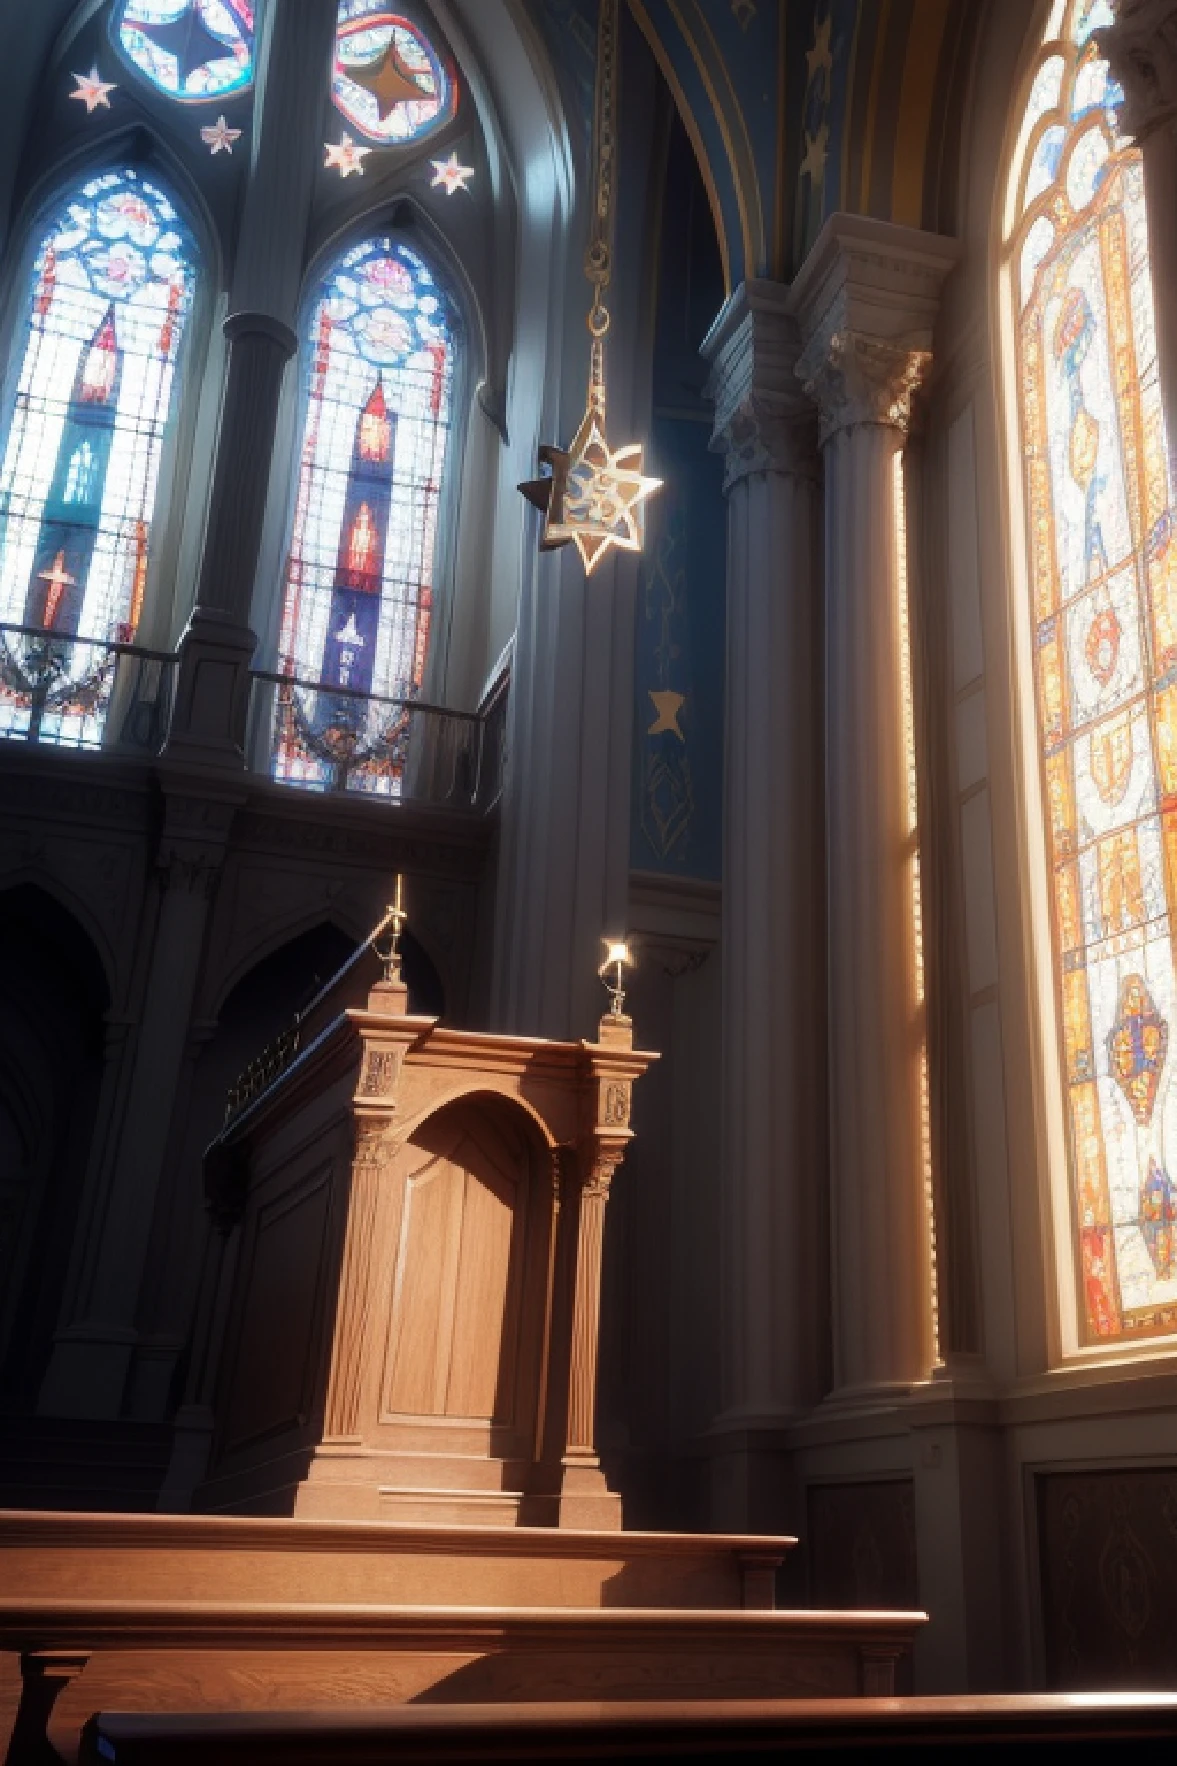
{"points": [[676, 825]]}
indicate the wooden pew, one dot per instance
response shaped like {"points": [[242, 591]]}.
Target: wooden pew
{"points": [[1055, 1727]]}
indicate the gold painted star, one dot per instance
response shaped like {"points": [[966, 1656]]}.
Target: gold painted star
{"points": [[346, 156], [92, 91], [387, 79], [820, 56], [218, 137], [667, 706], [815, 154], [449, 174]]}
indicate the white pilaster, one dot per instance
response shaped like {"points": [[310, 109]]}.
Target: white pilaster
{"points": [[866, 299], [774, 1026]]}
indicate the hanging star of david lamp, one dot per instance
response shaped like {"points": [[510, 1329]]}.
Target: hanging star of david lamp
{"points": [[592, 494]]}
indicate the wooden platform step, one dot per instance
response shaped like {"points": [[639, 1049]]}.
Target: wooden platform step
{"points": [[1095, 1726], [216, 1557]]}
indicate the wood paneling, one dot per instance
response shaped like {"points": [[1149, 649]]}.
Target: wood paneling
{"points": [[1108, 1544]]}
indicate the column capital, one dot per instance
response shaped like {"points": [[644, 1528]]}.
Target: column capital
{"points": [[1141, 48], [865, 301], [245, 323], [763, 423], [854, 378]]}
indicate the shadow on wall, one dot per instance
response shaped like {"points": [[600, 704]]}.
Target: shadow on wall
{"points": [[262, 1004], [53, 1001]]}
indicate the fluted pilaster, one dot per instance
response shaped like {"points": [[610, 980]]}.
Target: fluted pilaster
{"points": [[772, 926], [865, 301]]}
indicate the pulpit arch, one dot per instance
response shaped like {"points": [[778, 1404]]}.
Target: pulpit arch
{"points": [[468, 1213]]}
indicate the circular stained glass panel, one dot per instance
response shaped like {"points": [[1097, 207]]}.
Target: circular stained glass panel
{"points": [[388, 82], [193, 50]]}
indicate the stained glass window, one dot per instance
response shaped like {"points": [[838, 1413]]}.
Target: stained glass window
{"points": [[359, 588], [388, 82], [193, 50], [1103, 588], [108, 300]]}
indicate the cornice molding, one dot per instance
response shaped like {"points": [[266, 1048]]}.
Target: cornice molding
{"points": [[763, 423], [865, 301]]}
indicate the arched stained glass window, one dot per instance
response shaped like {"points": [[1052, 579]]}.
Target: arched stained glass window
{"points": [[1102, 582], [193, 50], [359, 588], [109, 297], [389, 83]]}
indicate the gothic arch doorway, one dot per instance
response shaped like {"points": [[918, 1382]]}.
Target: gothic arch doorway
{"points": [[53, 1002]]}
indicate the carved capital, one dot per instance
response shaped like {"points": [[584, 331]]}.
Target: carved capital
{"points": [[607, 1156], [762, 422], [192, 873], [860, 379], [866, 300], [1141, 48]]}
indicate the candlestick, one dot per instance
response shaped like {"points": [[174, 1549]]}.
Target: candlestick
{"points": [[618, 959]]}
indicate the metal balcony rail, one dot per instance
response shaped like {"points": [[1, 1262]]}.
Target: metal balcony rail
{"points": [[337, 739], [70, 691]]}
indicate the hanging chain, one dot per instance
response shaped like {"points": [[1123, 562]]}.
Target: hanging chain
{"points": [[598, 258]]}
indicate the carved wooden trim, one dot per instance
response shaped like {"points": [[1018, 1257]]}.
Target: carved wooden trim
{"points": [[586, 1305], [356, 1298]]}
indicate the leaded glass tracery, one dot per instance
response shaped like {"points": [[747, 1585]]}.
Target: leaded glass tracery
{"points": [[388, 82], [107, 303], [359, 588], [193, 50], [1103, 589]]}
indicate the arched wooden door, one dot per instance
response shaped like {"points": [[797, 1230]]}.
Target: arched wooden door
{"points": [[466, 1228]]}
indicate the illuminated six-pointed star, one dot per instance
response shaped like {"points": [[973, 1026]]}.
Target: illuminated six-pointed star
{"points": [[450, 175], [92, 91], [594, 493], [218, 137], [346, 156]]}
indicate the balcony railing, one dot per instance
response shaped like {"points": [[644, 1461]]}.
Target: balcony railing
{"points": [[342, 739], [74, 692]]}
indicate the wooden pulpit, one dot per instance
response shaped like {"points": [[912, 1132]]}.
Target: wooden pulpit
{"points": [[412, 1315]]}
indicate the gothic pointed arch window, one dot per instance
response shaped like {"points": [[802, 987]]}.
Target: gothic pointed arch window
{"points": [[1102, 589], [379, 354], [89, 400]]}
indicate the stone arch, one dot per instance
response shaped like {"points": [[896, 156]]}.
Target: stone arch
{"points": [[54, 997]]}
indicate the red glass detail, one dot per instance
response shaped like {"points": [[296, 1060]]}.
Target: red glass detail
{"points": [[361, 541], [167, 330], [58, 579], [46, 284], [101, 365], [437, 351], [375, 431], [1102, 647]]}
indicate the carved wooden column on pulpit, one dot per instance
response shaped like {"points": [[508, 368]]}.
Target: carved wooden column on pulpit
{"points": [[414, 1323]]}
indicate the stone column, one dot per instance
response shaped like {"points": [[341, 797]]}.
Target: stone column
{"points": [[866, 298], [1141, 48], [772, 937], [212, 691]]}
